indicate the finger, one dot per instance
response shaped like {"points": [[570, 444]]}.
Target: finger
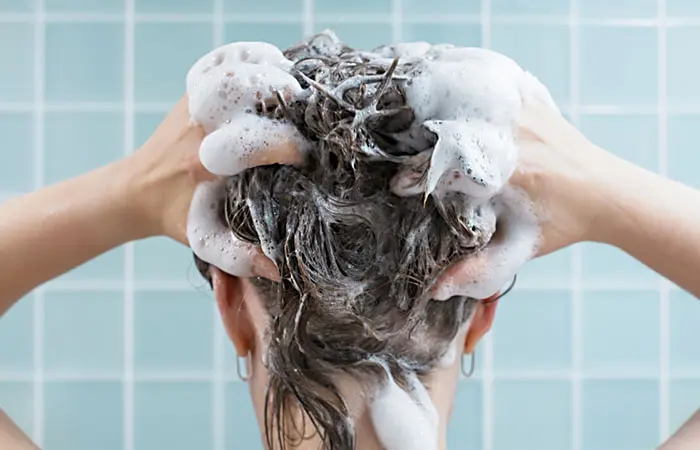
{"points": [[230, 90], [516, 241], [213, 242], [251, 141]]}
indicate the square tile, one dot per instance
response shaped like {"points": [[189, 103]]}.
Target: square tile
{"points": [[355, 7], [618, 8], [78, 142], [175, 416], [174, 331], [550, 270], [83, 333], [164, 52], [83, 416], [17, 400], [542, 50], [632, 137], [621, 331], [517, 424], [17, 6], [84, 6], [685, 333], [683, 157], [465, 428], [458, 34], [540, 7], [84, 62], [106, 268], [17, 332], [361, 36], [174, 6], [620, 415], [618, 65], [145, 123], [682, 8], [605, 265], [520, 343], [684, 396], [283, 35], [17, 169], [280, 7], [418, 8], [163, 260], [683, 72], [246, 435], [17, 74]]}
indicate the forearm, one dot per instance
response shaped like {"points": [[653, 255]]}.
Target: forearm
{"points": [[46, 233], [11, 437], [655, 220]]}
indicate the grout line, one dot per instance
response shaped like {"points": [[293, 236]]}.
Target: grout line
{"points": [[664, 306], [218, 335], [128, 382], [308, 17], [577, 252], [487, 384], [39, 139]]}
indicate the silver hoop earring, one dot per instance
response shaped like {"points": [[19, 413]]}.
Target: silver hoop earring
{"points": [[243, 373], [469, 371]]}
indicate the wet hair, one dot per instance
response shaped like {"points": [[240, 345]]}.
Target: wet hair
{"points": [[357, 262]]}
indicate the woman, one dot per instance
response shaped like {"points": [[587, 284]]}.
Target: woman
{"points": [[346, 347]]}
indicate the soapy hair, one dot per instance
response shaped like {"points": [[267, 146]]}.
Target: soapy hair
{"points": [[357, 262]]}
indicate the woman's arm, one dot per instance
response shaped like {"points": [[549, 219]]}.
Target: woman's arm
{"points": [[46, 233]]}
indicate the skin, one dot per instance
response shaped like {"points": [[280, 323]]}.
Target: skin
{"points": [[583, 192]]}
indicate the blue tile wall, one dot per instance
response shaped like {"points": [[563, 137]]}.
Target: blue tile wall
{"points": [[85, 62], [683, 72], [618, 65], [522, 7], [163, 52], [611, 348], [17, 169], [620, 414], [17, 400], [83, 416], [522, 343], [17, 74], [537, 415], [17, 6], [466, 428], [280, 7], [175, 416], [417, 8], [523, 377], [174, 331], [618, 8], [283, 35], [83, 333], [17, 330], [465, 35], [542, 50], [82, 6]]}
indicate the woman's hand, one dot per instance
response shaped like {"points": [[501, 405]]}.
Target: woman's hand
{"points": [[163, 173]]}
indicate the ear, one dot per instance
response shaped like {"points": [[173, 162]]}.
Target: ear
{"points": [[480, 325], [230, 298]]}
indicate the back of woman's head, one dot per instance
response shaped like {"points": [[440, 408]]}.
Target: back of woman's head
{"points": [[357, 262]]}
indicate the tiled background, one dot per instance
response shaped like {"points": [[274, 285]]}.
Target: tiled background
{"points": [[591, 352]]}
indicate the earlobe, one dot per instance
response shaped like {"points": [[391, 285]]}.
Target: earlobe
{"points": [[480, 325], [229, 294]]}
